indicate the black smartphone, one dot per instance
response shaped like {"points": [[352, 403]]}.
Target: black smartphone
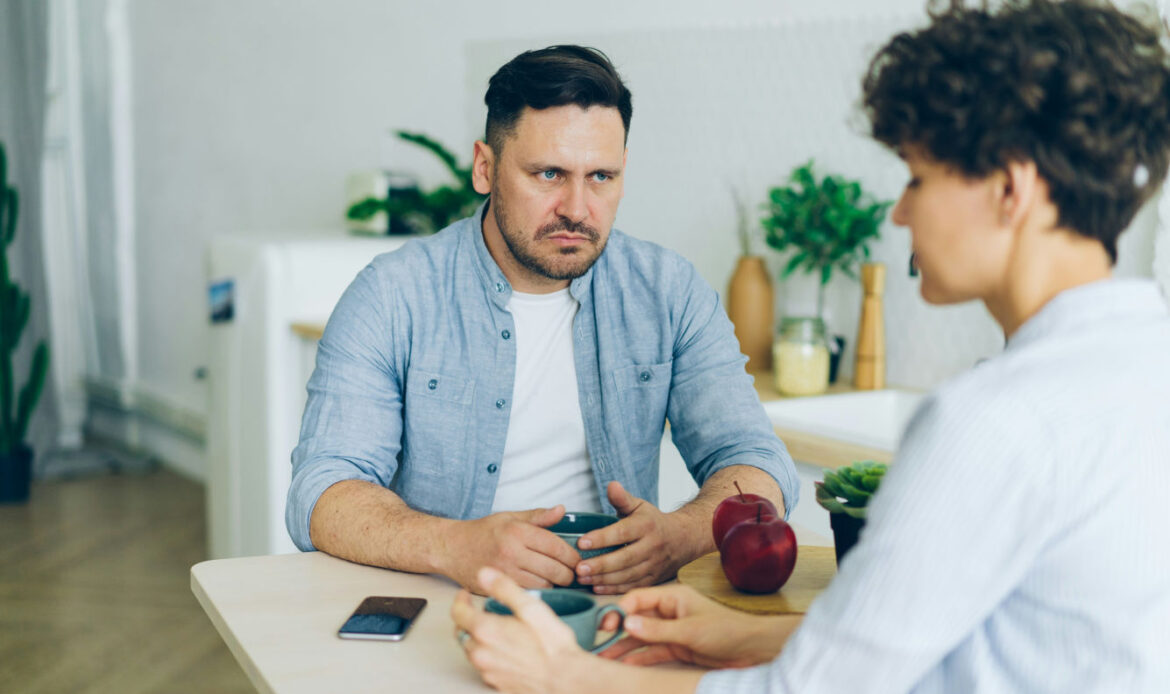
{"points": [[382, 618]]}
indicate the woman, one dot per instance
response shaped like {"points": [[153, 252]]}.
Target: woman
{"points": [[1018, 542]]}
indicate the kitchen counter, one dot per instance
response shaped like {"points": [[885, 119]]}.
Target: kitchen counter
{"points": [[812, 448]]}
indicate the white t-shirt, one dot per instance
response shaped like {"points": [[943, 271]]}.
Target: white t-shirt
{"points": [[546, 460]]}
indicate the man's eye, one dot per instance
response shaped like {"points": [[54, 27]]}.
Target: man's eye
{"points": [[549, 175], [601, 177], [913, 183]]}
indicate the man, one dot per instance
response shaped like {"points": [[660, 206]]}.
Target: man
{"points": [[473, 386], [1018, 543]]}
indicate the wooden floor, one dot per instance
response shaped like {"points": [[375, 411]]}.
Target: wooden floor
{"points": [[95, 590]]}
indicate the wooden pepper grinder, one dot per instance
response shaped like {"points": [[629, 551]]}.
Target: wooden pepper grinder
{"points": [[870, 370]]}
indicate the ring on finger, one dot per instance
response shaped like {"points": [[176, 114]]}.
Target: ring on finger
{"points": [[463, 636]]}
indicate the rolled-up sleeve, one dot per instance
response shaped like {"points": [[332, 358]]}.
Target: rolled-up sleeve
{"points": [[352, 425], [716, 419]]}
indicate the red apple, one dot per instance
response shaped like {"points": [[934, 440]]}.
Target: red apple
{"points": [[758, 555], [738, 508]]}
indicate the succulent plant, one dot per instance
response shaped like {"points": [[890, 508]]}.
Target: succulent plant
{"points": [[848, 489]]}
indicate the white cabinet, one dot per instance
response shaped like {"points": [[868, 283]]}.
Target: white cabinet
{"points": [[258, 374]]}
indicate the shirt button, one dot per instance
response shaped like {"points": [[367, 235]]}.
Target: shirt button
{"points": [[433, 383], [506, 334], [499, 286], [492, 468], [500, 403], [644, 376]]}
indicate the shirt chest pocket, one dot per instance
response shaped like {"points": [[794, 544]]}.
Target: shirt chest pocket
{"points": [[436, 433], [643, 393]]}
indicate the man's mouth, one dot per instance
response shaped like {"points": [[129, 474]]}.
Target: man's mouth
{"points": [[567, 239], [567, 234]]}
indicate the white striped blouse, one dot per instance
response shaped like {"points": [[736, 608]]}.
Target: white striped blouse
{"points": [[1021, 540]]}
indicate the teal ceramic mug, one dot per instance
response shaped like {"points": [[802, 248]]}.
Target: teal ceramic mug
{"points": [[580, 611], [575, 524]]}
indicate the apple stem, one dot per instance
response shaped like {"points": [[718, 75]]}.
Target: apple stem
{"points": [[741, 496], [759, 510]]}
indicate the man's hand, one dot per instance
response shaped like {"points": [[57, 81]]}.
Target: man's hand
{"points": [[676, 624], [514, 542], [656, 546]]}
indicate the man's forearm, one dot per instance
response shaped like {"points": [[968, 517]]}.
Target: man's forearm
{"points": [[369, 524], [696, 515]]}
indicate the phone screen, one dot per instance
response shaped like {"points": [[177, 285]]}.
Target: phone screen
{"points": [[382, 618]]}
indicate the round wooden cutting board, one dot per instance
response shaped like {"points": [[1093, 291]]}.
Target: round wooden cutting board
{"points": [[815, 567]]}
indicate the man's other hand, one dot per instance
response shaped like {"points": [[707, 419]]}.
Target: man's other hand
{"points": [[655, 546], [516, 543]]}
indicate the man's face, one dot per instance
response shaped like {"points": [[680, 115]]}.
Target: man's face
{"points": [[958, 239], [555, 191]]}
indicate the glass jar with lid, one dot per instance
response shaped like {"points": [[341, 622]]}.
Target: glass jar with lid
{"points": [[800, 357]]}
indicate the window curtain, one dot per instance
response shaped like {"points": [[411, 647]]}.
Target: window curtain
{"points": [[1162, 241], [23, 66]]}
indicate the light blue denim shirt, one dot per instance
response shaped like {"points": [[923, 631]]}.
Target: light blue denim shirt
{"points": [[413, 384]]}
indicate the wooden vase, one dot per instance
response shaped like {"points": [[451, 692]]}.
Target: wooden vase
{"points": [[750, 305], [870, 369]]}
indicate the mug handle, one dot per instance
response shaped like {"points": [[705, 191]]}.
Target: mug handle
{"points": [[616, 634]]}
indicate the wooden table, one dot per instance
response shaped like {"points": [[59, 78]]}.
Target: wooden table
{"points": [[279, 615]]}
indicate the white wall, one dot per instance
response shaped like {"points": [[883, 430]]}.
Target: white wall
{"points": [[248, 114]]}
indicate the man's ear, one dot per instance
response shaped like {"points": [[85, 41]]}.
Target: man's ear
{"points": [[1017, 191], [482, 167]]}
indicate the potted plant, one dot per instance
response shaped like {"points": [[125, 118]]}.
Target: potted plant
{"points": [[411, 209], [827, 225], [16, 409], [845, 494]]}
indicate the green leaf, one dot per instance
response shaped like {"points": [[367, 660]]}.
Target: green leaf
{"points": [[444, 155], [855, 512], [31, 392], [793, 263], [870, 483], [827, 500], [365, 209], [832, 484], [855, 496], [11, 208]]}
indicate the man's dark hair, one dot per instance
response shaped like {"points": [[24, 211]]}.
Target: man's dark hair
{"points": [[553, 76], [1078, 87]]}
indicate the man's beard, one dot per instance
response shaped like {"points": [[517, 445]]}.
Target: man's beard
{"points": [[567, 264]]}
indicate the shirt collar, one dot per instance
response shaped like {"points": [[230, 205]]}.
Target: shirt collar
{"points": [[1073, 310], [497, 285]]}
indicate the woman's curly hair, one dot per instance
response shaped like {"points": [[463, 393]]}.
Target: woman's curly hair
{"points": [[1078, 87]]}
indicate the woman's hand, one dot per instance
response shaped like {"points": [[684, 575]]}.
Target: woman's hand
{"points": [[526, 653], [676, 623]]}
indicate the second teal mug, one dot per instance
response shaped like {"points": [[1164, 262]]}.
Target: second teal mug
{"points": [[580, 611]]}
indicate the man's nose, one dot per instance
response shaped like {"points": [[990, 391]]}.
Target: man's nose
{"points": [[572, 204]]}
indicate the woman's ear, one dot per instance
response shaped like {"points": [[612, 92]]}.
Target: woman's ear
{"points": [[1016, 192]]}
